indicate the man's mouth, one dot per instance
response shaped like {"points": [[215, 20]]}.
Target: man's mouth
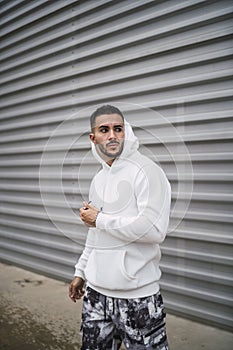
{"points": [[112, 144]]}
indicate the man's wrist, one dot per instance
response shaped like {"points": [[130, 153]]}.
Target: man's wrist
{"points": [[79, 277]]}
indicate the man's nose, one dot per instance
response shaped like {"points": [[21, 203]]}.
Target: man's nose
{"points": [[112, 134]]}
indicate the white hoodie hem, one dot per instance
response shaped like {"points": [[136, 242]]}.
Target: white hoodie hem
{"points": [[141, 292]]}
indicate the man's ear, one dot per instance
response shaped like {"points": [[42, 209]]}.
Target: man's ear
{"points": [[92, 137]]}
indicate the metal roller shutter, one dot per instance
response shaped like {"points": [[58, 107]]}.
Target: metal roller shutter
{"points": [[168, 66]]}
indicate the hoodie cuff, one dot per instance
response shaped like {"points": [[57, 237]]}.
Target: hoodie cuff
{"points": [[79, 273], [99, 223]]}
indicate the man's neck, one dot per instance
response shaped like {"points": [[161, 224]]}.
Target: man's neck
{"points": [[109, 162]]}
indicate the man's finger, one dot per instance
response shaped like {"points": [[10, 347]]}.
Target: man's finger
{"points": [[85, 205], [72, 292]]}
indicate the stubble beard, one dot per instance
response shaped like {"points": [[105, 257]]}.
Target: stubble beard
{"points": [[102, 150]]}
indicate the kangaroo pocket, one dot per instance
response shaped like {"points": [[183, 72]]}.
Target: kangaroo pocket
{"points": [[106, 269]]}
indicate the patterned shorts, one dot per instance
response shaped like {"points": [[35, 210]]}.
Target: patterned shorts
{"points": [[138, 323]]}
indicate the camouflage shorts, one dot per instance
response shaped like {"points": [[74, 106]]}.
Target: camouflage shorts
{"points": [[138, 323]]}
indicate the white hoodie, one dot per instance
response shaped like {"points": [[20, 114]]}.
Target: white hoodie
{"points": [[122, 254]]}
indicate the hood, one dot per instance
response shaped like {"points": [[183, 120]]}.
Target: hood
{"points": [[131, 145]]}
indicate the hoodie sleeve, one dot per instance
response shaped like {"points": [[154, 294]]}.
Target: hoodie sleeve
{"points": [[153, 196], [82, 262]]}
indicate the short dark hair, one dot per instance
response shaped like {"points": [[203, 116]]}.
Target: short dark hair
{"points": [[105, 109]]}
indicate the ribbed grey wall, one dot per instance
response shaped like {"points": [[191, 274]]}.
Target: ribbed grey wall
{"points": [[168, 65]]}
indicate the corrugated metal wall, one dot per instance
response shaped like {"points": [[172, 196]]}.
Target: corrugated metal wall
{"points": [[168, 65]]}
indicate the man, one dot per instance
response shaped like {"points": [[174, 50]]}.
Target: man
{"points": [[128, 218]]}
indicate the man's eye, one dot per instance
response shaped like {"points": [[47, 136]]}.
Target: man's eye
{"points": [[104, 130], [118, 129]]}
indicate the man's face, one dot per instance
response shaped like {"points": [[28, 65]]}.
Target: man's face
{"points": [[108, 135]]}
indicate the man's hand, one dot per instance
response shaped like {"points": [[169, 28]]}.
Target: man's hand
{"points": [[88, 214], [76, 290]]}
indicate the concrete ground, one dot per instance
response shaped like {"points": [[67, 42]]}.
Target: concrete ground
{"points": [[36, 314]]}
